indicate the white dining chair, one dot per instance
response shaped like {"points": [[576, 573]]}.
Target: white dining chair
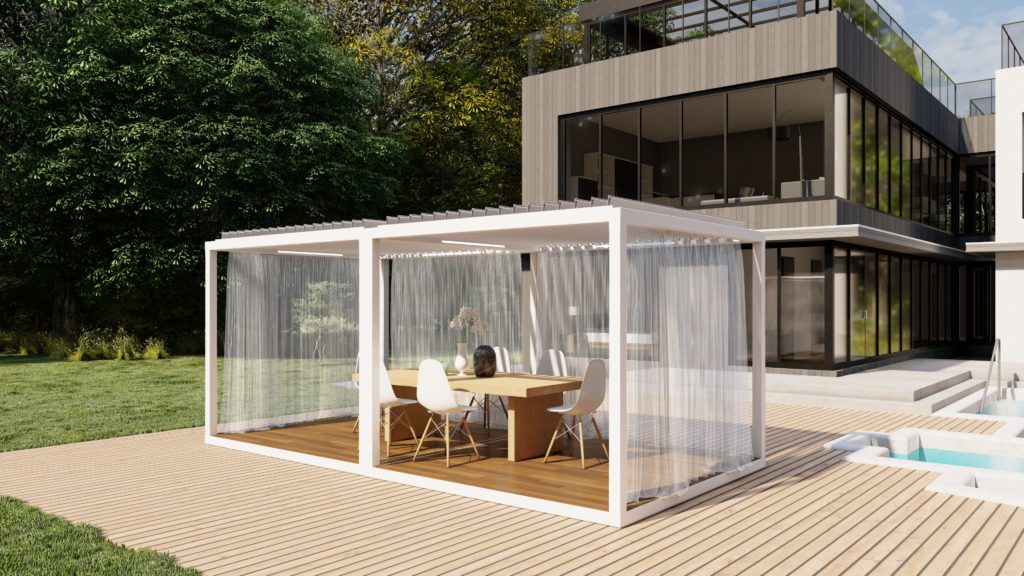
{"points": [[590, 399], [552, 363], [502, 364], [435, 394], [390, 403]]}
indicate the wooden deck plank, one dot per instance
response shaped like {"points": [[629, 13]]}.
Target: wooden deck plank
{"points": [[229, 512]]}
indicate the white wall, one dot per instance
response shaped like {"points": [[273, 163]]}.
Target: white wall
{"points": [[1010, 210]]}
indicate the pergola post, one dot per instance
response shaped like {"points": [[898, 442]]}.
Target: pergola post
{"points": [[210, 361], [531, 345], [617, 267], [370, 332], [757, 348]]}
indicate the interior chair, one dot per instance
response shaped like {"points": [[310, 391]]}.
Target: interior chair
{"points": [[552, 363], [590, 399], [391, 404], [435, 394], [503, 364]]}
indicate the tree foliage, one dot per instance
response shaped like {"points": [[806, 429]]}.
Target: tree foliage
{"points": [[131, 132], [450, 73]]}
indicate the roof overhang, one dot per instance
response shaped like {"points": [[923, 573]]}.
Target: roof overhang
{"points": [[994, 247], [868, 237]]}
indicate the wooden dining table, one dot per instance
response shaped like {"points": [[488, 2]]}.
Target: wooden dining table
{"points": [[529, 396]]}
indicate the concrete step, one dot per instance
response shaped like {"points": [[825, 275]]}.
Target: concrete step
{"points": [[927, 405], [884, 385]]}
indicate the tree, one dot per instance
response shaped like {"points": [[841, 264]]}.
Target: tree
{"points": [[131, 132], [452, 75]]}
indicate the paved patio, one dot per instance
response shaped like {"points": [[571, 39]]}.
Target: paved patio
{"points": [[228, 512]]}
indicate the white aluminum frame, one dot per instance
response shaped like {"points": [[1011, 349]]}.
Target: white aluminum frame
{"points": [[620, 216]]}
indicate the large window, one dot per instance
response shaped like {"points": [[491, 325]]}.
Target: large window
{"points": [[581, 140], [619, 170], [750, 143], [895, 169], [660, 153], [802, 304], [703, 151], [800, 139], [745, 146]]}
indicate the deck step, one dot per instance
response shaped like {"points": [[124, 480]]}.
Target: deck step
{"points": [[883, 385], [926, 405]]}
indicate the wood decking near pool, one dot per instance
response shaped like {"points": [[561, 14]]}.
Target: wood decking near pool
{"points": [[808, 512]]}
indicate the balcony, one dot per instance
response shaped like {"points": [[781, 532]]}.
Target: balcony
{"points": [[664, 24]]}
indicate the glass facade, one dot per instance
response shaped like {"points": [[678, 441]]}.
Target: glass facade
{"points": [[896, 169], [831, 305], [678, 152]]}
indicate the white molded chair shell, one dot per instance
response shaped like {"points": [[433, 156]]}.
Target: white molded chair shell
{"points": [[591, 391], [552, 363], [388, 398], [434, 392]]}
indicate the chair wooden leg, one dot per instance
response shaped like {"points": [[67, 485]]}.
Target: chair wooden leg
{"points": [[447, 444], [583, 457], [469, 434], [408, 424], [599, 437], [487, 414], [554, 435], [356, 425], [572, 427], [385, 422], [419, 444]]}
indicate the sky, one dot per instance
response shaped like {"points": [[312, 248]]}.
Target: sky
{"points": [[961, 36]]}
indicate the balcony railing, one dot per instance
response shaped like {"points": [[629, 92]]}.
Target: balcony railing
{"points": [[1012, 40], [667, 23]]}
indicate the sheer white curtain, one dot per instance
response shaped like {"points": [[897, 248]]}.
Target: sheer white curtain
{"points": [[689, 399], [426, 292], [290, 340], [572, 310]]}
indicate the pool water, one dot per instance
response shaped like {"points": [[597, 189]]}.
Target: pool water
{"points": [[1005, 408], [955, 458]]}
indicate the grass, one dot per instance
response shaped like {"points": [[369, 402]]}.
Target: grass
{"points": [[48, 402], [32, 542]]}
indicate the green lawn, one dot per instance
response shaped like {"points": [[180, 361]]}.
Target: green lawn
{"points": [[32, 542], [46, 402]]}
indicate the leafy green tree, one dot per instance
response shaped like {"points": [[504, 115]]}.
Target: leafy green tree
{"points": [[131, 132], [451, 73]]}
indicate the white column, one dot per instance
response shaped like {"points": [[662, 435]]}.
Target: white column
{"points": [[757, 349], [841, 139], [210, 362], [617, 230], [370, 285]]}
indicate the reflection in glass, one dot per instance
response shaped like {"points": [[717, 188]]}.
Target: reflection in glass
{"points": [[870, 155], [582, 163], [856, 147], [750, 144], [703, 151], [841, 286], [894, 304], [883, 304], [619, 171], [659, 153], [800, 138], [802, 314], [884, 161]]}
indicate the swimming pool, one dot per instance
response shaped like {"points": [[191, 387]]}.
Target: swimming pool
{"points": [[957, 458], [1005, 408]]}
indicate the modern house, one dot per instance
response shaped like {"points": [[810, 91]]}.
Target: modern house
{"points": [[822, 124]]}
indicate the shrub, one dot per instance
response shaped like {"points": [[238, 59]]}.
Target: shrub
{"points": [[57, 348], [155, 349]]}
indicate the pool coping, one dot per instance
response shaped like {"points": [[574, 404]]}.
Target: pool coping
{"points": [[953, 480]]}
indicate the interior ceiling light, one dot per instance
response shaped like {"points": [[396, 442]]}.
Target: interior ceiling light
{"points": [[301, 253], [481, 244]]}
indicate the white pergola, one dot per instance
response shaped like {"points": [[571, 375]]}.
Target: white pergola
{"points": [[521, 229]]}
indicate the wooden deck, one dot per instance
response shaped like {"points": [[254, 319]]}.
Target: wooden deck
{"points": [[562, 479], [808, 512]]}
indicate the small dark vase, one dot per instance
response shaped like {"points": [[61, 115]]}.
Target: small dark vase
{"points": [[484, 362]]}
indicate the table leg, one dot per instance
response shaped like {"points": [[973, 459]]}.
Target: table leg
{"points": [[530, 425]]}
